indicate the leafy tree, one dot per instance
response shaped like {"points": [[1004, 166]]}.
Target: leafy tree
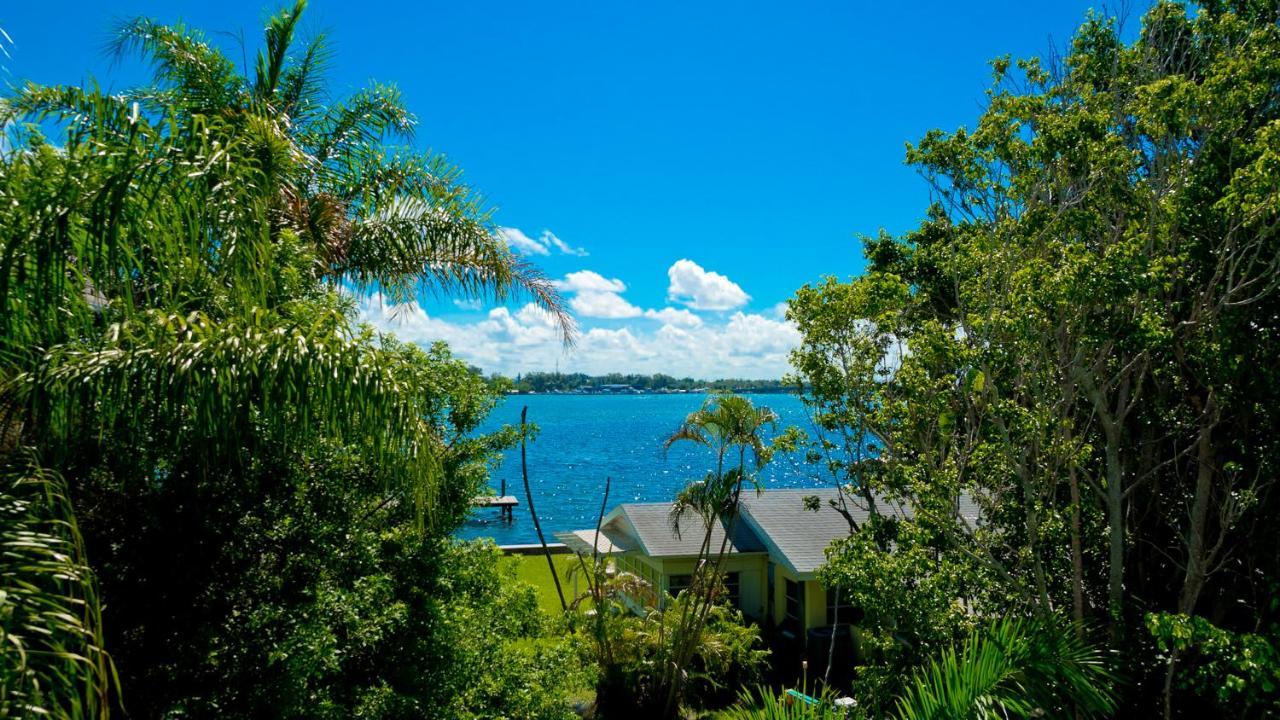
{"points": [[1078, 338]]}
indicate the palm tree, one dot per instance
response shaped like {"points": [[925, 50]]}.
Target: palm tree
{"points": [[378, 215], [726, 424], [177, 275]]}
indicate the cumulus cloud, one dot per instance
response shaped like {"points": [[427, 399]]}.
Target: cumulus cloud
{"points": [[702, 289], [743, 345], [543, 245], [469, 304], [677, 317], [589, 281], [596, 296], [606, 305]]}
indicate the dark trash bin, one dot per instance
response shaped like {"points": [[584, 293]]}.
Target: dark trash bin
{"points": [[819, 645]]}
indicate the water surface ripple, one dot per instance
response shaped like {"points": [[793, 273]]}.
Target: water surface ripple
{"points": [[585, 438]]}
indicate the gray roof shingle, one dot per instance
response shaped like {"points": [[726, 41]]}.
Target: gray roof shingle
{"points": [[775, 520], [652, 527], [800, 537]]}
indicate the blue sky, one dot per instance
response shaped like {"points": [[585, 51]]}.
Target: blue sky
{"points": [[698, 161]]}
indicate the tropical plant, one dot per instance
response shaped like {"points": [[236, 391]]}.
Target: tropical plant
{"points": [[377, 215], [767, 704], [51, 644], [632, 681], [725, 424], [176, 280], [1014, 668]]}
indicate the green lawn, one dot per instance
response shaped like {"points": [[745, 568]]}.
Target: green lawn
{"points": [[533, 570]]}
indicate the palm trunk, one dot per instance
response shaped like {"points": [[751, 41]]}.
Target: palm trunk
{"points": [[528, 493]]}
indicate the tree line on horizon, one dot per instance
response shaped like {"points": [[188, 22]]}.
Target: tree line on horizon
{"points": [[539, 382]]}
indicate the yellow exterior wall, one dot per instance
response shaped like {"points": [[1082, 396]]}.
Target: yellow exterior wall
{"points": [[814, 612], [751, 578], [750, 569], [815, 605]]}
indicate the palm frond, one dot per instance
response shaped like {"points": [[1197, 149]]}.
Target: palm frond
{"points": [[301, 91], [1013, 668], [52, 661], [183, 59], [366, 118], [271, 59], [409, 246], [212, 386]]}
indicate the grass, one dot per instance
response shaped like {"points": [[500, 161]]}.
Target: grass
{"points": [[533, 570]]}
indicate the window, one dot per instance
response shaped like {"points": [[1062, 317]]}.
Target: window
{"points": [[794, 604], [838, 609], [677, 584], [733, 588]]}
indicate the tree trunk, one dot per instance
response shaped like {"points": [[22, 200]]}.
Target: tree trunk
{"points": [[1197, 561], [1115, 531], [1077, 555]]}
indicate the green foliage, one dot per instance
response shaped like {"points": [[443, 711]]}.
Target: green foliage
{"points": [[306, 589], [1014, 668], [1080, 339], [52, 660], [900, 629], [262, 484], [765, 704], [1239, 670], [727, 656]]}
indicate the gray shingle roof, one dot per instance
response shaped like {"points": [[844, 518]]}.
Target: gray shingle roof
{"points": [[775, 520], [650, 523], [799, 537], [580, 541]]}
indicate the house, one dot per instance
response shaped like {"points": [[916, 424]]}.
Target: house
{"points": [[773, 554]]}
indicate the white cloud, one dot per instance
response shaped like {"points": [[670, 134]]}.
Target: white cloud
{"points": [[525, 245], [469, 304], [678, 317], [702, 289], [549, 238], [589, 281], [522, 243], [608, 305], [745, 345], [596, 296]]}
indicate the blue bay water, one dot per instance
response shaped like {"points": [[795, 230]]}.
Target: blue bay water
{"points": [[583, 439]]}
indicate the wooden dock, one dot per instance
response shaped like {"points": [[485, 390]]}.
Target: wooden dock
{"points": [[498, 501], [504, 503]]}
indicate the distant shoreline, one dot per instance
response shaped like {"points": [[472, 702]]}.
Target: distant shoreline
{"points": [[636, 391]]}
